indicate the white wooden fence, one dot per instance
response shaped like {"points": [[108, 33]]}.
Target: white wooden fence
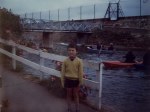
{"points": [[43, 55]]}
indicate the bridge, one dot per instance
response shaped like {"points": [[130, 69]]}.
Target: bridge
{"points": [[77, 19], [31, 24], [40, 22]]}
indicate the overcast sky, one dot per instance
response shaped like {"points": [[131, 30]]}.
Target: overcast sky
{"points": [[21, 6], [130, 7]]}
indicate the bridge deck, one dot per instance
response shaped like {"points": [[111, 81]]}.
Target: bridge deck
{"points": [[26, 96]]}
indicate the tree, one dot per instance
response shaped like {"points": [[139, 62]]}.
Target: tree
{"points": [[9, 24]]}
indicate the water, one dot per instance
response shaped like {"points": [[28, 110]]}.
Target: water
{"points": [[126, 90]]}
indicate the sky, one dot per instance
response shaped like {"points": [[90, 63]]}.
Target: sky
{"points": [[21, 6], [130, 7]]}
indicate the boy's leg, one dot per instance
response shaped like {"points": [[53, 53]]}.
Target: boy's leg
{"points": [[69, 96], [76, 97]]}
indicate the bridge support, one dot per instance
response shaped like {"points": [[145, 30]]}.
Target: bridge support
{"points": [[81, 37], [114, 11], [47, 40]]}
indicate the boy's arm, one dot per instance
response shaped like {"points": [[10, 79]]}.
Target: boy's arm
{"points": [[62, 73], [80, 72]]}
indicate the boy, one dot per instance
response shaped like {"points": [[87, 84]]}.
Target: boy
{"points": [[72, 76]]}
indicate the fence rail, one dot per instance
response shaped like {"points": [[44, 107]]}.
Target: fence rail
{"points": [[93, 65]]}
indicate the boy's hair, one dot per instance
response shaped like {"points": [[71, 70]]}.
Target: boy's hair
{"points": [[72, 45]]}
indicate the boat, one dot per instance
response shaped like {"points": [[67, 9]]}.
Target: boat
{"points": [[92, 50], [117, 64], [101, 51]]}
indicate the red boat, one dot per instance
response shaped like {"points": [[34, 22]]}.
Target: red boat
{"points": [[117, 64]]}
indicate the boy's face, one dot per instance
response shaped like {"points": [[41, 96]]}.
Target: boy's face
{"points": [[72, 52]]}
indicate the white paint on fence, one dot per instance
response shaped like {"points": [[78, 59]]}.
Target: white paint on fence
{"points": [[13, 60], [1, 92]]}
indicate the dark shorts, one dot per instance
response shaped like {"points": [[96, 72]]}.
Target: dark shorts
{"points": [[71, 83]]}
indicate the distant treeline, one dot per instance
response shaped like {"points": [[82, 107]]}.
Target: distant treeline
{"points": [[9, 24]]}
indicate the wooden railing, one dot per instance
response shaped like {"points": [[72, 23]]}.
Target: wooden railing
{"points": [[43, 55]]}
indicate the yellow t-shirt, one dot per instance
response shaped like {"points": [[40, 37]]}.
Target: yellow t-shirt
{"points": [[72, 69]]}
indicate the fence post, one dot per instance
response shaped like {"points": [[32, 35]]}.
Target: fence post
{"points": [[41, 63], [69, 14], [94, 11], [1, 93], [40, 15], [13, 60], [80, 12], [100, 86], [49, 15], [58, 14]]}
